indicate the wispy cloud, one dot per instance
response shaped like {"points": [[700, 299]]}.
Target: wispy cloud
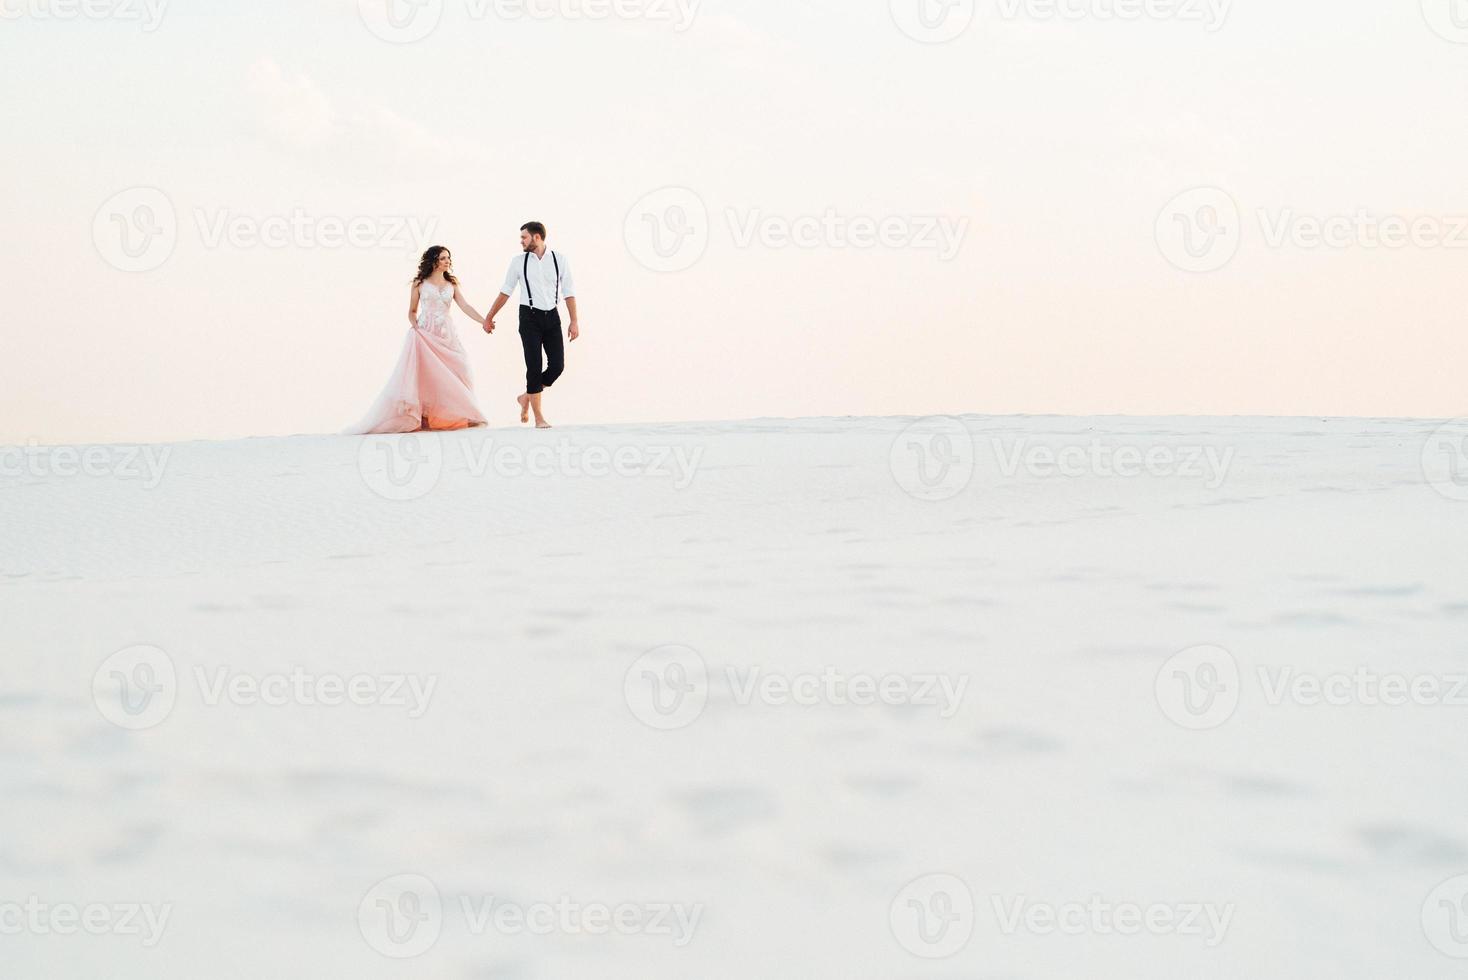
{"points": [[298, 112]]}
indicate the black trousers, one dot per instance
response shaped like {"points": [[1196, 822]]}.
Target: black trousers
{"points": [[541, 329]]}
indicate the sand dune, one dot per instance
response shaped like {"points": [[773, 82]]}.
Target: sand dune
{"points": [[832, 698]]}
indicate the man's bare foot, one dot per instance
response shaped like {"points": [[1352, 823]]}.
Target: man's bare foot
{"points": [[542, 424], [524, 401]]}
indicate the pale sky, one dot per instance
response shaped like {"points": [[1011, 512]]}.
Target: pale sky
{"points": [[1046, 149]]}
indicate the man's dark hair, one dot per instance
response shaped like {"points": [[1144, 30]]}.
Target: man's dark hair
{"points": [[534, 227]]}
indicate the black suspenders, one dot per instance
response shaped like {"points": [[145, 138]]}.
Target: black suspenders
{"points": [[530, 296]]}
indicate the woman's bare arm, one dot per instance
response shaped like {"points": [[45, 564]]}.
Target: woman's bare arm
{"points": [[469, 311]]}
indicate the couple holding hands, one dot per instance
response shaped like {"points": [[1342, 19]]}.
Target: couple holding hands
{"points": [[432, 386]]}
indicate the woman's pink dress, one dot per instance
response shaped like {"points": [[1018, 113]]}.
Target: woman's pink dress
{"points": [[432, 387]]}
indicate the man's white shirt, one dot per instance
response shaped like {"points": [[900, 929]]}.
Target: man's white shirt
{"points": [[542, 279]]}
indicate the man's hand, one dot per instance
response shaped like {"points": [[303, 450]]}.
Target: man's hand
{"points": [[575, 330], [488, 325]]}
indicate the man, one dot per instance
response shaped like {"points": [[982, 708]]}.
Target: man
{"points": [[546, 277]]}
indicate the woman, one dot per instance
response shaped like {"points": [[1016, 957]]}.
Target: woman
{"points": [[431, 388]]}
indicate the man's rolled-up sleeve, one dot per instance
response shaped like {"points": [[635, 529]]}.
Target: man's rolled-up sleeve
{"points": [[568, 285], [512, 277]]}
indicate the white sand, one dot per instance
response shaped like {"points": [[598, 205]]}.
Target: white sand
{"points": [[1319, 831]]}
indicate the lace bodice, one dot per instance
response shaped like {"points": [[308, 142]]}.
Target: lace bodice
{"points": [[433, 309]]}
